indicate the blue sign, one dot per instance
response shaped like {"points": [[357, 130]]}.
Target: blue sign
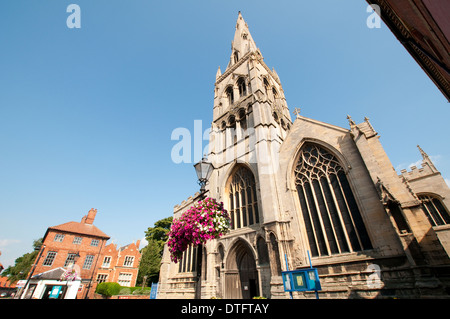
{"points": [[55, 292], [154, 290], [301, 280]]}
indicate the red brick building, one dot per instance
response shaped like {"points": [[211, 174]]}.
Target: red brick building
{"points": [[62, 244], [119, 265]]}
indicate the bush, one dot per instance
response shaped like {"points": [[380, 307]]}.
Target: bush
{"points": [[108, 288], [125, 291]]}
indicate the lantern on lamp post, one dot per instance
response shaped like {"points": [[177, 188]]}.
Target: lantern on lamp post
{"points": [[204, 170]]}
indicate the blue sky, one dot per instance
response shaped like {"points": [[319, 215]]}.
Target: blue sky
{"points": [[86, 115]]}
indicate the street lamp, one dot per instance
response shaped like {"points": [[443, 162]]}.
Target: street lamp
{"points": [[76, 257], [204, 170], [41, 250]]}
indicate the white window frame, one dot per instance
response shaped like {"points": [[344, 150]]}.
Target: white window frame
{"points": [[49, 259], [88, 262], [59, 238], [106, 262], [128, 261], [124, 279]]}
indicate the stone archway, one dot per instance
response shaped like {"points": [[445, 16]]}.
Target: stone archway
{"points": [[241, 275]]}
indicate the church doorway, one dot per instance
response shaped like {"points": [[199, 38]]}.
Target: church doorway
{"points": [[241, 276]]}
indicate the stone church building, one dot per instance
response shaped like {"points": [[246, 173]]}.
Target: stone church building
{"points": [[299, 186]]}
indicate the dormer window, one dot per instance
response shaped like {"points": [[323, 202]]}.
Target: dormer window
{"points": [[128, 262]]}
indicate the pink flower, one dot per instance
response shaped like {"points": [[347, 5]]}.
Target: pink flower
{"points": [[205, 220]]}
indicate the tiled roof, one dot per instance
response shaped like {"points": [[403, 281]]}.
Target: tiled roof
{"points": [[5, 283], [80, 228]]}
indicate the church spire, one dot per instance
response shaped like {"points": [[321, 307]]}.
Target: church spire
{"points": [[242, 42], [219, 73], [426, 159]]}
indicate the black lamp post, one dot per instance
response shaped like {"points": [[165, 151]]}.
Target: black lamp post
{"points": [[41, 250], [204, 170]]}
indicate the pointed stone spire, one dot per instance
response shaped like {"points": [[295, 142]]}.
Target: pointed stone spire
{"points": [[350, 121], [242, 42], [219, 73], [426, 159]]}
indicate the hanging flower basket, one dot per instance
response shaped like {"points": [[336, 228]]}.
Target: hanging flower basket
{"points": [[69, 275], [206, 220]]}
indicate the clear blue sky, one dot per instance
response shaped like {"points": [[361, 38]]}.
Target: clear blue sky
{"points": [[86, 115]]}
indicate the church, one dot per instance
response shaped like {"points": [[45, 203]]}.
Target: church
{"points": [[301, 190]]}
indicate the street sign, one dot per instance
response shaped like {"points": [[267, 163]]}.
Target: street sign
{"points": [[301, 280], [54, 294], [154, 290]]}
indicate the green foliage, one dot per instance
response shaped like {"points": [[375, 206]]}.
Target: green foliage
{"points": [[134, 291], [23, 264], [108, 288], [152, 253], [160, 231], [150, 263]]}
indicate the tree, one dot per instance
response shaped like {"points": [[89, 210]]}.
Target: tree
{"points": [[159, 232], [23, 264], [150, 263], [152, 253]]}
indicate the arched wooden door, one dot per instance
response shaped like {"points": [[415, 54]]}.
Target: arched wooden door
{"points": [[248, 276], [241, 276]]}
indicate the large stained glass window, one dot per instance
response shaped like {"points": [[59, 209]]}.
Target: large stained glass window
{"points": [[242, 199], [331, 215]]}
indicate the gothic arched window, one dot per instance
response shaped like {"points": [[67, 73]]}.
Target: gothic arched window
{"points": [[332, 219], [275, 93], [236, 57], [243, 120], [242, 87], [242, 199], [435, 210], [230, 95], [263, 253]]}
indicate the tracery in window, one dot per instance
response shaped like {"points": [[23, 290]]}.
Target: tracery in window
{"points": [[435, 210], [242, 199], [332, 219]]}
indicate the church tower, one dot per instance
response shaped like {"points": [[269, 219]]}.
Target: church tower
{"points": [[307, 193], [250, 116]]}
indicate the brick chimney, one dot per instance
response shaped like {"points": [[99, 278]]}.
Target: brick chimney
{"points": [[89, 219]]}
